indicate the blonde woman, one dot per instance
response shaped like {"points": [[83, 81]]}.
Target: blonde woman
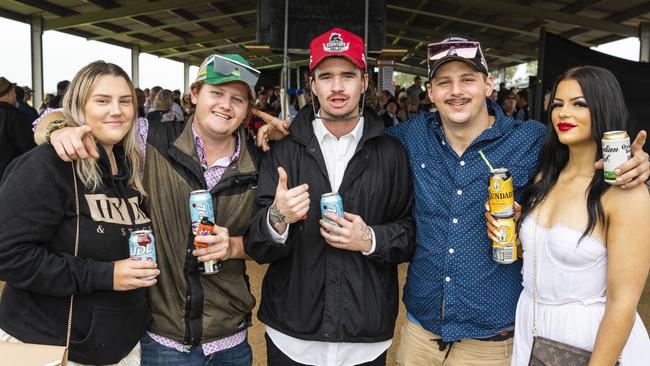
{"points": [[162, 108], [37, 232]]}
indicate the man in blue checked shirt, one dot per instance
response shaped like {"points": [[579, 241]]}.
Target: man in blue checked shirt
{"points": [[460, 303]]}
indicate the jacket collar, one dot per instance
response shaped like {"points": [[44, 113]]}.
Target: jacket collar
{"points": [[188, 157], [302, 129], [6, 105]]}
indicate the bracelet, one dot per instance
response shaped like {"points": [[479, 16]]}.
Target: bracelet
{"points": [[57, 124]]}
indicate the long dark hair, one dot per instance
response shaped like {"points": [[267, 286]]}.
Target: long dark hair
{"points": [[608, 113]]}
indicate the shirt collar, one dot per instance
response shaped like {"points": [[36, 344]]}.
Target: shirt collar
{"points": [[223, 162], [321, 131]]}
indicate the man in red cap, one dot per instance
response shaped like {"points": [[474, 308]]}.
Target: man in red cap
{"points": [[330, 295]]}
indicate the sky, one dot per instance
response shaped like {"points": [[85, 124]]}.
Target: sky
{"points": [[65, 54]]}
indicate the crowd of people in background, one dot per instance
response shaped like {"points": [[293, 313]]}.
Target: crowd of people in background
{"points": [[159, 105]]}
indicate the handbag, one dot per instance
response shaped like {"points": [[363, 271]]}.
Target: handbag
{"points": [[31, 354], [545, 351]]}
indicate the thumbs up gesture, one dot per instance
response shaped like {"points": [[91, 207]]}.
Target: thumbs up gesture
{"points": [[290, 205]]}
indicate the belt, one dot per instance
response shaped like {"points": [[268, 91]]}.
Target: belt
{"points": [[505, 335], [499, 337]]}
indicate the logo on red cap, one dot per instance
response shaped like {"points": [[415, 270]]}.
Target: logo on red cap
{"points": [[336, 44]]}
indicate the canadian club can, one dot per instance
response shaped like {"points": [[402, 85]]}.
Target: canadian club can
{"points": [[332, 203], [205, 228], [142, 247], [616, 151], [504, 249], [200, 207], [501, 196]]}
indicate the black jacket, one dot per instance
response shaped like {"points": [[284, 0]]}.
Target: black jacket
{"points": [[37, 235], [388, 120], [313, 291], [16, 135]]}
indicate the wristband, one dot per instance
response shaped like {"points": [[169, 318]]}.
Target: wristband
{"points": [[57, 124]]}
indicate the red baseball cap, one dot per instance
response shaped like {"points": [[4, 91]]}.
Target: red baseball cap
{"points": [[337, 42]]}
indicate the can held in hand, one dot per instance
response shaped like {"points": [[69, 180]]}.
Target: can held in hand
{"points": [[200, 207], [504, 249], [142, 247], [332, 203], [212, 266], [501, 195], [616, 151]]}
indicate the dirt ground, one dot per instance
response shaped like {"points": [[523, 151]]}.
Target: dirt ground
{"points": [[256, 334]]}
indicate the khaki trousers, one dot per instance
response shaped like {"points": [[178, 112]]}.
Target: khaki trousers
{"points": [[417, 347]]}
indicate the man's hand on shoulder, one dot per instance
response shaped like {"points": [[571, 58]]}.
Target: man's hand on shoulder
{"points": [[70, 143], [275, 129], [74, 143]]}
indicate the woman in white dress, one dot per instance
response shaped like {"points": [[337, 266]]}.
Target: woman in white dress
{"points": [[587, 241]]}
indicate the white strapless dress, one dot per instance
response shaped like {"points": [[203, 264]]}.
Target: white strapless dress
{"points": [[571, 294]]}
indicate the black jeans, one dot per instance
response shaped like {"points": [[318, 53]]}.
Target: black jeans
{"points": [[275, 357]]}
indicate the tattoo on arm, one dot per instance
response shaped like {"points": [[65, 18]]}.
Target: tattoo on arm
{"points": [[275, 216], [367, 234]]}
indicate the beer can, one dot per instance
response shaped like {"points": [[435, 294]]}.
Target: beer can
{"points": [[501, 195], [142, 247], [616, 151], [212, 266], [200, 207], [504, 249], [332, 203]]}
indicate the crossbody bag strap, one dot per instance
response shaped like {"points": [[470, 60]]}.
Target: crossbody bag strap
{"points": [[535, 294], [76, 249]]}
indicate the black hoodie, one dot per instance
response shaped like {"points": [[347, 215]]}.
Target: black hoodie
{"points": [[37, 234]]}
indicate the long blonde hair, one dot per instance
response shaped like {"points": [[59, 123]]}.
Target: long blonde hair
{"points": [[73, 108]]}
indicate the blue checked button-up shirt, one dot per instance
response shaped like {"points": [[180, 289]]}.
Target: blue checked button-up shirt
{"points": [[454, 288]]}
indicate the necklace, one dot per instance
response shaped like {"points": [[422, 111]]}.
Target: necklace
{"points": [[564, 182]]}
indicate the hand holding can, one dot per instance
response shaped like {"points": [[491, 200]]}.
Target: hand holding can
{"points": [[331, 203], [204, 234], [142, 247], [616, 151], [501, 206]]}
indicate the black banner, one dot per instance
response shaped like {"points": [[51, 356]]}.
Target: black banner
{"points": [[308, 19], [558, 55]]}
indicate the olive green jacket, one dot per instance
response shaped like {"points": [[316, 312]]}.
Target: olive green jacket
{"points": [[186, 306]]}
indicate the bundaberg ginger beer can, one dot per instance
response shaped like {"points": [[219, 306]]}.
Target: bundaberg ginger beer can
{"points": [[501, 196], [616, 151], [504, 249]]}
